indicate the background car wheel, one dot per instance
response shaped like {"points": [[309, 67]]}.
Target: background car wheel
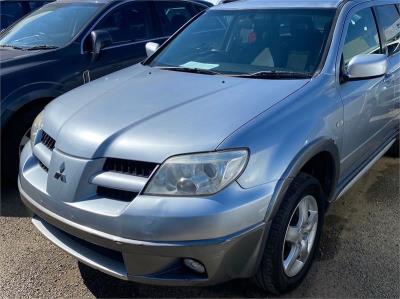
{"points": [[293, 237], [394, 150], [13, 138]]}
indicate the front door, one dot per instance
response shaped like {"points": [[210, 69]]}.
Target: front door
{"points": [[365, 109]]}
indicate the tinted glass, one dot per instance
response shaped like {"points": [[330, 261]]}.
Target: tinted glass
{"points": [[362, 36], [36, 4], [173, 14], [129, 23], [242, 42], [52, 25], [389, 20], [10, 12]]}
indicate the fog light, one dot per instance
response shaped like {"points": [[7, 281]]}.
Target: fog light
{"points": [[194, 265]]}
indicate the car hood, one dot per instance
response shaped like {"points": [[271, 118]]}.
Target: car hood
{"points": [[10, 53], [148, 114]]}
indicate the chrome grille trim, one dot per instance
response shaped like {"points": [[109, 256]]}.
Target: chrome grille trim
{"points": [[42, 153], [120, 181]]}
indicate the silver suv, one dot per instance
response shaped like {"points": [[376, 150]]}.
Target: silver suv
{"points": [[218, 156]]}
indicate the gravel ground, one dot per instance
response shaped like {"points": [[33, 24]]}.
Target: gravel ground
{"points": [[359, 254]]}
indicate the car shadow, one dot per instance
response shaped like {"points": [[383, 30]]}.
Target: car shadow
{"points": [[10, 201], [104, 286]]}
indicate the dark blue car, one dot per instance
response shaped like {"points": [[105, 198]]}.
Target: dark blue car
{"points": [[67, 43]]}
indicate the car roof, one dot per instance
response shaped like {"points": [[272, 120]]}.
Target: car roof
{"points": [[257, 4]]}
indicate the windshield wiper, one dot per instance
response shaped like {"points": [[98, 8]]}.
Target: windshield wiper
{"points": [[13, 47], [189, 70], [42, 47], [276, 75]]}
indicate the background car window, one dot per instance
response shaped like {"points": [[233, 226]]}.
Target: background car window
{"points": [[362, 36], [174, 14], [389, 20], [36, 4], [10, 12], [129, 23], [53, 25]]}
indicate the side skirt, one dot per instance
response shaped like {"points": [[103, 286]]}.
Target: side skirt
{"points": [[361, 173]]}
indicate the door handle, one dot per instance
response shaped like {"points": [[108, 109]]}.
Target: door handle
{"points": [[86, 76]]}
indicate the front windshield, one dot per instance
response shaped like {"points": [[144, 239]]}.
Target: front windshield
{"points": [[249, 41], [53, 25]]}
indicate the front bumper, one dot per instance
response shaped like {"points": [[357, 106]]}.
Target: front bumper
{"points": [[147, 239]]}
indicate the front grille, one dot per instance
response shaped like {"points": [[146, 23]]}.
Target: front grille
{"points": [[44, 167], [136, 168], [116, 194], [48, 141]]}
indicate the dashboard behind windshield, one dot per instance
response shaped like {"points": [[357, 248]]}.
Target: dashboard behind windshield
{"points": [[250, 41]]}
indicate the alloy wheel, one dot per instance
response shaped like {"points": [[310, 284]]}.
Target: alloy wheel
{"points": [[300, 235]]}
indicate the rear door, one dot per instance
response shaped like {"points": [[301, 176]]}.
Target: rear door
{"points": [[131, 25], [172, 15], [389, 22], [10, 12]]}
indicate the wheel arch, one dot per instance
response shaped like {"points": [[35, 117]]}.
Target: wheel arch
{"points": [[13, 115], [321, 146], [28, 96]]}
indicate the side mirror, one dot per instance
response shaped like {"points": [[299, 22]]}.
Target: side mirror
{"points": [[366, 66], [151, 48], [100, 40]]}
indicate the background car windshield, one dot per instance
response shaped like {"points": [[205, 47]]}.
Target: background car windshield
{"points": [[243, 42], [51, 25]]}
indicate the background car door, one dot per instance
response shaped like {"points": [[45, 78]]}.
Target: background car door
{"points": [[131, 26], [389, 22], [365, 109]]}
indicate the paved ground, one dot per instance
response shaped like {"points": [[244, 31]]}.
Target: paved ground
{"points": [[359, 254]]}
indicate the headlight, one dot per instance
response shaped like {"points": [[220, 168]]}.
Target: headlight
{"points": [[197, 174], [36, 127]]}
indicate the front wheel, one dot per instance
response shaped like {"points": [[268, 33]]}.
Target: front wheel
{"points": [[293, 237]]}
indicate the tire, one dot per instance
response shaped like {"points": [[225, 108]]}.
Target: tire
{"points": [[11, 137], [272, 276], [394, 150]]}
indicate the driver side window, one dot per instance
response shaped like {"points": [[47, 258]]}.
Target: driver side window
{"points": [[128, 23], [362, 36]]}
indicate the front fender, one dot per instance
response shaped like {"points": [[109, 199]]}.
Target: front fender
{"points": [[282, 139]]}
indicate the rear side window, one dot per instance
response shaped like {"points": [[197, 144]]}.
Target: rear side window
{"points": [[129, 23], [174, 14], [362, 36], [389, 21], [10, 11]]}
